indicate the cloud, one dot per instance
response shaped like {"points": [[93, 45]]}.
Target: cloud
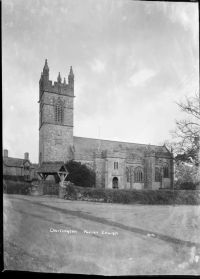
{"points": [[180, 13], [185, 14], [141, 77], [132, 56], [98, 66], [12, 107]]}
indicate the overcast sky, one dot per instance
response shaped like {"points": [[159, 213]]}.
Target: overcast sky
{"points": [[132, 61]]}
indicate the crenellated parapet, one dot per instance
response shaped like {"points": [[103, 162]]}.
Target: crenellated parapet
{"points": [[56, 87]]}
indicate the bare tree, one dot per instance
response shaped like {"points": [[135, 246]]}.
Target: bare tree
{"points": [[187, 133], [186, 139]]}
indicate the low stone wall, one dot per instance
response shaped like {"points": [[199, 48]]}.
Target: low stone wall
{"points": [[37, 188], [41, 187], [62, 192]]}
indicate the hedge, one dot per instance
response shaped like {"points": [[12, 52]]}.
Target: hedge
{"points": [[13, 177], [16, 187], [186, 185], [166, 197]]}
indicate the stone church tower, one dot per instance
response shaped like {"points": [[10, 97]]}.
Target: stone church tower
{"points": [[55, 117]]}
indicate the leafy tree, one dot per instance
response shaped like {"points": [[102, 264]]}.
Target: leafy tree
{"points": [[80, 174]]}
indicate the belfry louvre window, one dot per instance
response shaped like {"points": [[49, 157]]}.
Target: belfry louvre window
{"points": [[165, 170], [59, 113], [115, 165], [138, 175]]}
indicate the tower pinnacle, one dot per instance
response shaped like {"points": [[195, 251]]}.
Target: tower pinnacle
{"points": [[59, 79], [71, 72], [46, 67], [71, 78]]}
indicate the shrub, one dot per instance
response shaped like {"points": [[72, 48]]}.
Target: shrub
{"points": [[13, 177], [70, 189], [187, 186], [16, 187], [34, 179], [80, 174]]}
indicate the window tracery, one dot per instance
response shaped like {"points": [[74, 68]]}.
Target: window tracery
{"points": [[138, 175], [166, 170], [59, 111], [157, 175]]}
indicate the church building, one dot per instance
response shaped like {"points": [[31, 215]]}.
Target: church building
{"points": [[121, 165]]}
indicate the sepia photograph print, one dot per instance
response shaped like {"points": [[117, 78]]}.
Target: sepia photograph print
{"points": [[101, 137]]}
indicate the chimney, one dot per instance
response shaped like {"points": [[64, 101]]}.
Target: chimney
{"points": [[26, 156], [5, 153]]}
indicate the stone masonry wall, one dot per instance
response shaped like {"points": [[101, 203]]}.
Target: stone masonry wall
{"points": [[119, 172], [55, 142], [149, 171], [12, 170], [116, 151], [48, 109], [99, 168]]}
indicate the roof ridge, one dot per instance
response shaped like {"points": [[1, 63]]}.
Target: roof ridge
{"points": [[14, 158], [120, 141], [54, 162]]}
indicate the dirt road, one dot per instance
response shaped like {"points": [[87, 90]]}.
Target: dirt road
{"points": [[48, 234]]}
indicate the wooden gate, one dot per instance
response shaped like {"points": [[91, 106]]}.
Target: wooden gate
{"points": [[50, 189]]}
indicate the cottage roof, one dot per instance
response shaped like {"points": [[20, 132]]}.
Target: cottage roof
{"points": [[15, 162]]}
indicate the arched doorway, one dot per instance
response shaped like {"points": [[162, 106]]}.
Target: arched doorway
{"points": [[115, 183]]}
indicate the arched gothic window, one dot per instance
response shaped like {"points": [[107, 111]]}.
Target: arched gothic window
{"points": [[115, 165], [128, 174], [157, 175], [138, 175], [59, 112], [166, 170]]}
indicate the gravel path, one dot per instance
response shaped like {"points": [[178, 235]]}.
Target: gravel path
{"points": [[48, 234]]}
